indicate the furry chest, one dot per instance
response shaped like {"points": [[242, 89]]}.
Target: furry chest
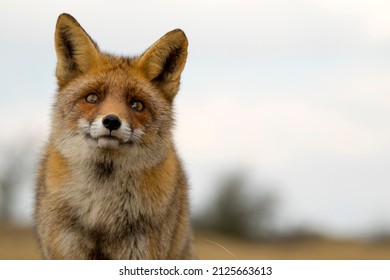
{"points": [[112, 207]]}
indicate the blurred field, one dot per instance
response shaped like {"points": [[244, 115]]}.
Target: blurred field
{"points": [[303, 249], [19, 243]]}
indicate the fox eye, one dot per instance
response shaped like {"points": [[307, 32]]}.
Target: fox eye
{"points": [[137, 106], [92, 98]]}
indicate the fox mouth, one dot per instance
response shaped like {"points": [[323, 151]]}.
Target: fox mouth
{"points": [[100, 137], [107, 142]]}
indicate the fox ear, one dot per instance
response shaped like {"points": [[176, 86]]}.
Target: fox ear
{"points": [[76, 51], [164, 61]]}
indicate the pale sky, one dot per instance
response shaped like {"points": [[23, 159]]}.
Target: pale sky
{"points": [[296, 93]]}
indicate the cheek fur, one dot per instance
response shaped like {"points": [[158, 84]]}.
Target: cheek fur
{"points": [[88, 111], [141, 119]]}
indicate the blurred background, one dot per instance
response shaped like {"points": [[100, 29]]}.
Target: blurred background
{"points": [[282, 118]]}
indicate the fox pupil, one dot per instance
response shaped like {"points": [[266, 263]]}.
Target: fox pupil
{"points": [[92, 98], [137, 106]]}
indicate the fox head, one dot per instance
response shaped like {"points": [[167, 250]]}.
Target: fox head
{"points": [[111, 104]]}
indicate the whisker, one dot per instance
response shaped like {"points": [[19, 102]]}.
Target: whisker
{"points": [[219, 245], [69, 136]]}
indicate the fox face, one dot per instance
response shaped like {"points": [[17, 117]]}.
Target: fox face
{"points": [[115, 110], [114, 104]]}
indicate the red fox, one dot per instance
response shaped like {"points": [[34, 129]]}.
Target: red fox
{"points": [[110, 184]]}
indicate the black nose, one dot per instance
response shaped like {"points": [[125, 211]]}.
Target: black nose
{"points": [[111, 122]]}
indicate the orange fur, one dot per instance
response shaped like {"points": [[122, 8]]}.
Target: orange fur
{"points": [[58, 169]]}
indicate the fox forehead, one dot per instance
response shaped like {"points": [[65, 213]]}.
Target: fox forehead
{"points": [[114, 81], [117, 87]]}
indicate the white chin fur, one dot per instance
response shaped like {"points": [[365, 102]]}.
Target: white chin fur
{"points": [[108, 143]]}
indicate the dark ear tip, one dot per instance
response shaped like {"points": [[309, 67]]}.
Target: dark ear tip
{"points": [[178, 32], [64, 17], [179, 36]]}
